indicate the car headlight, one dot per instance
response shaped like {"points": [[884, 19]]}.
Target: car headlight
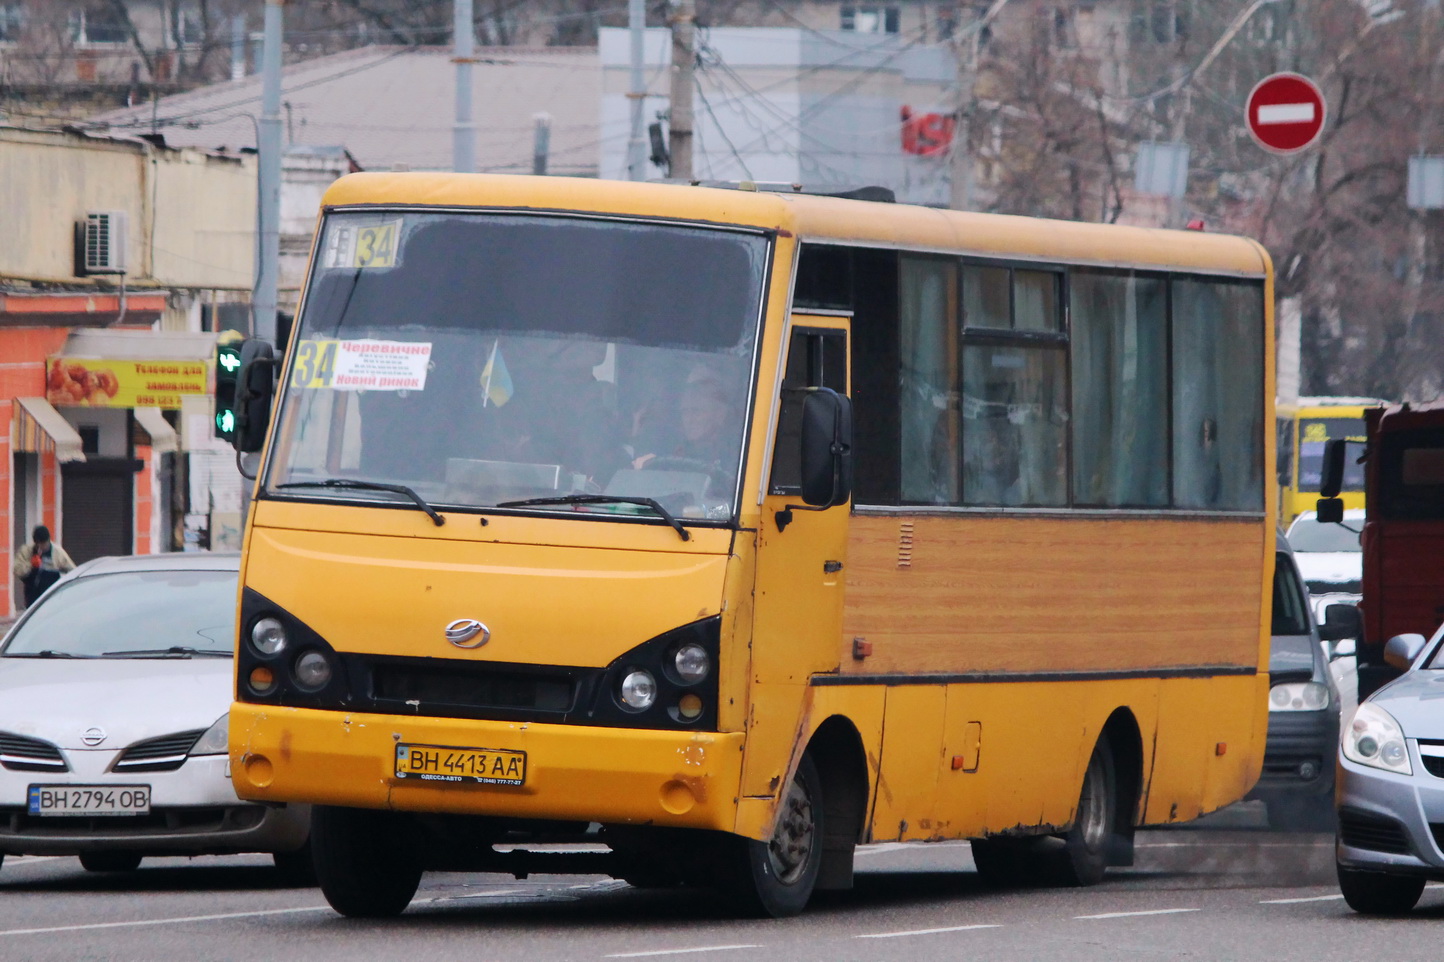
{"points": [[1375, 739], [213, 742], [1299, 696]]}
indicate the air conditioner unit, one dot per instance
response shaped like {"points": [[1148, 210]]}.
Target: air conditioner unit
{"points": [[100, 243]]}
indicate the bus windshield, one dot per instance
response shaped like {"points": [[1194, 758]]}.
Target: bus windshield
{"points": [[479, 359], [1313, 434]]}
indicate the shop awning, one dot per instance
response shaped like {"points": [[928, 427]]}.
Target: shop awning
{"points": [[39, 427], [161, 435]]}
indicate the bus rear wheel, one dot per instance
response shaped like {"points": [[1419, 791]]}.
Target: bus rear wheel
{"points": [[368, 863], [775, 878]]}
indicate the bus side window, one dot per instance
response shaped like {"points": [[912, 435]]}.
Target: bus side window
{"points": [[816, 357]]}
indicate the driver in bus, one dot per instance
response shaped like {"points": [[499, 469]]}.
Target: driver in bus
{"points": [[703, 413]]}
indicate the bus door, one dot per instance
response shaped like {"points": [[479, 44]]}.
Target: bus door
{"points": [[800, 557]]}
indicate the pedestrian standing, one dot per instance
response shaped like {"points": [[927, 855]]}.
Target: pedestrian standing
{"points": [[40, 564]]}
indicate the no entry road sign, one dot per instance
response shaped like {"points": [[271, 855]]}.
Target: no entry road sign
{"points": [[1285, 112]]}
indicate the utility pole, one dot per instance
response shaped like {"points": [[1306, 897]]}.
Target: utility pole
{"points": [[268, 212], [637, 90], [463, 136], [960, 159], [541, 142], [684, 62]]}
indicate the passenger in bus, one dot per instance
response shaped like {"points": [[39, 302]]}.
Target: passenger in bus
{"points": [[992, 470]]}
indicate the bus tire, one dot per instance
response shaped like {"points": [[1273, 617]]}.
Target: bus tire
{"points": [[1083, 857], [368, 863], [775, 878], [1374, 893]]}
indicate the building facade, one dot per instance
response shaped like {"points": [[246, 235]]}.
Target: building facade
{"points": [[118, 260]]}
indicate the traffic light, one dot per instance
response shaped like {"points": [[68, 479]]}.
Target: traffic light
{"points": [[228, 370]]}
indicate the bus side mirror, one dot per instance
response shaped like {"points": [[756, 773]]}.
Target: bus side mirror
{"points": [[254, 393], [1330, 510], [1332, 481], [826, 448]]}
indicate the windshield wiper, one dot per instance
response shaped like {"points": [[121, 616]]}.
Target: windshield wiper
{"points": [[604, 499], [44, 653], [369, 486], [181, 651]]}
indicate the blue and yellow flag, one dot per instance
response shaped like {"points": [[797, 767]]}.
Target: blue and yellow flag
{"points": [[496, 386]]}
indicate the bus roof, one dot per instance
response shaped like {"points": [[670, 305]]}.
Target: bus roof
{"points": [[819, 218]]}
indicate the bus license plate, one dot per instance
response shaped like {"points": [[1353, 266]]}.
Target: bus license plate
{"points": [[89, 799], [476, 766]]}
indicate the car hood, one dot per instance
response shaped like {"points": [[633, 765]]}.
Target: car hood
{"points": [[1296, 655], [1330, 566], [131, 698], [1416, 700]]}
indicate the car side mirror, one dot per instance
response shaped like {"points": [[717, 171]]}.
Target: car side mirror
{"points": [[255, 390], [1347, 648], [1341, 621], [1332, 480], [1401, 650], [826, 448]]}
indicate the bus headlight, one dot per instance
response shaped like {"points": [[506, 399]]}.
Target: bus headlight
{"points": [[1375, 739], [312, 671], [1299, 696], [692, 663], [639, 690], [268, 636]]}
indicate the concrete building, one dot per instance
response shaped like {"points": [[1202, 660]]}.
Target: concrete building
{"points": [[112, 279], [826, 109]]}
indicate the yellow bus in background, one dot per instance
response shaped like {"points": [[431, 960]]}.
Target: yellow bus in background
{"points": [[733, 529], [1304, 427]]}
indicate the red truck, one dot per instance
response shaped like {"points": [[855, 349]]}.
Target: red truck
{"points": [[1403, 536]]}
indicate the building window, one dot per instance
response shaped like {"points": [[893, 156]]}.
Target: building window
{"points": [[12, 20], [96, 25], [871, 19], [187, 27]]}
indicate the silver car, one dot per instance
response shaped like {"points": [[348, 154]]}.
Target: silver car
{"points": [[114, 693], [1390, 786]]}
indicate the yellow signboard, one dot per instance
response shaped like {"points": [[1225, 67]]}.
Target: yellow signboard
{"points": [[87, 382]]}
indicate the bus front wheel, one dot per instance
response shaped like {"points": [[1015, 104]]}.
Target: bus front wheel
{"points": [[368, 863], [775, 878], [1083, 857]]}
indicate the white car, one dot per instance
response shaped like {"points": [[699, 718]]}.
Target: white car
{"points": [[114, 693], [1328, 555]]}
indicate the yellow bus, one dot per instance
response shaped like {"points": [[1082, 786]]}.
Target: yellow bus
{"points": [[731, 529], [1304, 427]]}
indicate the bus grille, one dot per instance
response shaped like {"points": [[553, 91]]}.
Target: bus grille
{"points": [[474, 687], [164, 754], [1372, 832], [22, 754]]}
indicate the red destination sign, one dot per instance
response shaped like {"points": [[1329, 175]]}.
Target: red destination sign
{"points": [[1285, 112]]}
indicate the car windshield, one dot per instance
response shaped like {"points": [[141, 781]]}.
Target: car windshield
{"points": [[1307, 534], [138, 613], [481, 359]]}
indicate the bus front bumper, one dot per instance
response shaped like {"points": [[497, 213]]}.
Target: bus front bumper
{"points": [[572, 773]]}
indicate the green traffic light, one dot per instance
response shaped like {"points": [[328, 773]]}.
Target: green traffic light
{"points": [[230, 360], [226, 421]]}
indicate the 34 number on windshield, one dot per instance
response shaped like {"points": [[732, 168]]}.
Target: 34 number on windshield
{"points": [[315, 364]]}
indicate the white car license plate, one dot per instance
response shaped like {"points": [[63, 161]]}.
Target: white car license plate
{"points": [[89, 799]]}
